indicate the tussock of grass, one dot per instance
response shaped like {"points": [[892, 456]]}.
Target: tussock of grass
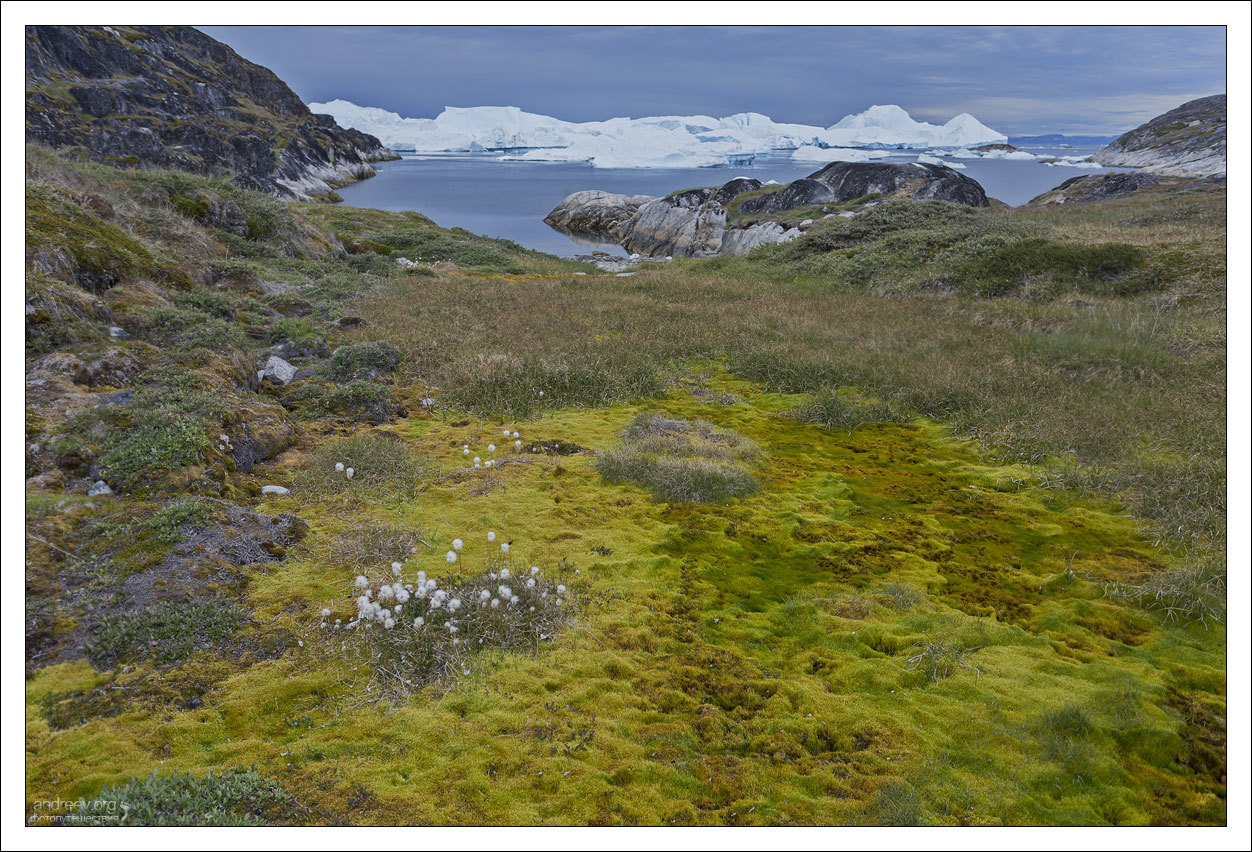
{"points": [[839, 410], [681, 461], [383, 465], [1193, 593]]}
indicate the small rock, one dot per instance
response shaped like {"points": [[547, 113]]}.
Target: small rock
{"points": [[100, 489], [623, 275], [278, 371], [274, 489], [118, 333]]}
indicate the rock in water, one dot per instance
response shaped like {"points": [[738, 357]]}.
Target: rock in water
{"points": [[278, 371], [174, 98], [594, 211], [1189, 141]]}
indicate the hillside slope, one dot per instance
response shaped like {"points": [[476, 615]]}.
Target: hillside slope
{"points": [[175, 98], [1189, 141]]}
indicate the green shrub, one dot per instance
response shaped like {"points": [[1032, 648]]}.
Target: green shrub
{"points": [[230, 798], [1087, 268], [361, 401], [194, 329], [165, 632], [363, 360]]}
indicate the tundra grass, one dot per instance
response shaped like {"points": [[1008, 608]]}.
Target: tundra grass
{"points": [[713, 675]]}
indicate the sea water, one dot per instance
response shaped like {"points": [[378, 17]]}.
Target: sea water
{"points": [[505, 198]]}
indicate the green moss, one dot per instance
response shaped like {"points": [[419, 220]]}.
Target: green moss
{"points": [[78, 244]]}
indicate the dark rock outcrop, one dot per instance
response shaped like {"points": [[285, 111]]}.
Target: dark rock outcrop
{"points": [[172, 97], [1189, 141], [1086, 189], [839, 182]]}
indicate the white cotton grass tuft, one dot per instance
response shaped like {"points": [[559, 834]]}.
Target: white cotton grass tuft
{"points": [[339, 467], [517, 444], [491, 448], [350, 472], [516, 435], [491, 536], [506, 433], [407, 632], [457, 544]]}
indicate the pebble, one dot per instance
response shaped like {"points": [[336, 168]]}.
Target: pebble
{"points": [[274, 489]]}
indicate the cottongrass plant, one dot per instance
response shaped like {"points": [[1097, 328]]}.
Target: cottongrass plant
{"points": [[411, 630]]}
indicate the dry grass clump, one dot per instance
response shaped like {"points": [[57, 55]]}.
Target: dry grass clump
{"points": [[839, 410], [373, 544], [367, 463], [937, 657], [681, 461], [1195, 592]]}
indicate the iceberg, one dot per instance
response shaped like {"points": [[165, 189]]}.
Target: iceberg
{"points": [[937, 161], [814, 154], [664, 141]]}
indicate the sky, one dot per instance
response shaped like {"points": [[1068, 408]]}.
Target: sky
{"points": [[1019, 80]]}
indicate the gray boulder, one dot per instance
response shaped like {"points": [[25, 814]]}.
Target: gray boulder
{"points": [[594, 211], [278, 371], [100, 489]]}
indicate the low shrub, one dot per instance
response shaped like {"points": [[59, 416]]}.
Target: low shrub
{"points": [[231, 798], [363, 360], [358, 401], [165, 632], [1195, 592]]}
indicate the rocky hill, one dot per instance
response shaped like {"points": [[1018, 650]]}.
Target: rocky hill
{"points": [[1189, 141], [174, 98], [745, 214]]}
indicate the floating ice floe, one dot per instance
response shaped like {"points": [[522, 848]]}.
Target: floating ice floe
{"points": [[814, 154], [936, 161]]}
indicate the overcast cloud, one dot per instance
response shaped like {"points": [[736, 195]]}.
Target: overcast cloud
{"points": [[1019, 80]]}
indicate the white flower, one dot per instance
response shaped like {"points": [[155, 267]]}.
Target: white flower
{"points": [[495, 603], [431, 584], [491, 448], [487, 463], [513, 600], [385, 592], [534, 569], [389, 623], [419, 621], [325, 612], [454, 604], [491, 536], [402, 595], [484, 594], [349, 473], [505, 592], [504, 572], [451, 557], [477, 460], [506, 433], [457, 544], [451, 627], [421, 577], [541, 393], [395, 567], [362, 582], [517, 444], [559, 602], [515, 435], [465, 452], [339, 467], [504, 547], [560, 590], [530, 584]]}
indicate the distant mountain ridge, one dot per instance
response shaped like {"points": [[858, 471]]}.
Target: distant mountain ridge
{"points": [[1188, 141], [173, 97]]}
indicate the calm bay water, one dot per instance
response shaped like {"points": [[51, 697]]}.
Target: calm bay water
{"points": [[485, 195]]}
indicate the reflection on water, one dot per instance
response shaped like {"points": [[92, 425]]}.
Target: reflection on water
{"points": [[485, 195]]}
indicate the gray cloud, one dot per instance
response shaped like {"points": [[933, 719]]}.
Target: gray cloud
{"points": [[1017, 79]]}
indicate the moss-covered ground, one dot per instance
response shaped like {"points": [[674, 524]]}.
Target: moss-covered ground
{"points": [[720, 671]]}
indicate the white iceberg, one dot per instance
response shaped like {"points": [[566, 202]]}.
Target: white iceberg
{"points": [[814, 154], [937, 161], [674, 141]]}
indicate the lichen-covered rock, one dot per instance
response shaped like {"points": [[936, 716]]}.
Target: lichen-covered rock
{"points": [[677, 226], [278, 371], [1188, 141]]}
